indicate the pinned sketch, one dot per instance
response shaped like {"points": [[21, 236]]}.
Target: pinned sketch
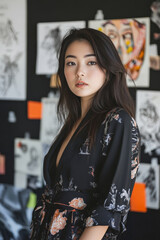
{"points": [[155, 16], [49, 124], [28, 156], [23, 180], [149, 174], [49, 37], [131, 39], [12, 50], [148, 119], [28, 162], [155, 62]]}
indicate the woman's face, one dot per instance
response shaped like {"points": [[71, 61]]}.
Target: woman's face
{"points": [[82, 72]]}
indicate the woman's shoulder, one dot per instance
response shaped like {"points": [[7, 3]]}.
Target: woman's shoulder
{"points": [[120, 116]]}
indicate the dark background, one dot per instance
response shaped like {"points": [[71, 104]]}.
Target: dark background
{"points": [[141, 226]]}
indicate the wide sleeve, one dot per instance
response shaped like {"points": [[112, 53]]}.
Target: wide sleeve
{"points": [[116, 175]]}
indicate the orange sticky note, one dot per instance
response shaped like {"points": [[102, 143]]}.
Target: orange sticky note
{"points": [[2, 164], [138, 198], [34, 110]]}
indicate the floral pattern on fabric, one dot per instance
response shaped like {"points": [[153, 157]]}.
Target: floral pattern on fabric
{"points": [[58, 222], [84, 150], [77, 203], [89, 222], [114, 195], [135, 150]]}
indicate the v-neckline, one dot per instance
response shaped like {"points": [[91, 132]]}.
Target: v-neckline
{"points": [[69, 142]]}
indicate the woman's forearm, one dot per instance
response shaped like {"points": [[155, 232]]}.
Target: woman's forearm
{"points": [[94, 233]]}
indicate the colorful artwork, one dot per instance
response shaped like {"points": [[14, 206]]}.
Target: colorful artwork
{"points": [[13, 50], [148, 119], [131, 39], [49, 37]]}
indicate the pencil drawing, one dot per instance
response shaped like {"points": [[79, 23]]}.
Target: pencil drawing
{"points": [[8, 73]]}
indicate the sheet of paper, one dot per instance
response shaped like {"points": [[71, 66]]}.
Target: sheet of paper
{"points": [[23, 180], [148, 118], [49, 37], [153, 50], [131, 39], [149, 175], [34, 110], [155, 16], [13, 49], [20, 180], [28, 156], [155, 62], [49, 124]]}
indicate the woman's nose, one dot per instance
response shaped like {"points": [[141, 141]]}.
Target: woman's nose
{"points": [[80, 71]]}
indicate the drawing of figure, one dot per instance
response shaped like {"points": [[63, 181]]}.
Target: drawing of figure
{"points": [[155, 17], [129, 37], [51, 43], [34, 159], [8, 71], [33, 182], [149, 180], [150, 126], [8, 34]]}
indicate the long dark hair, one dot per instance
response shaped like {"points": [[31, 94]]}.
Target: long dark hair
{"points": [[114, 93]]}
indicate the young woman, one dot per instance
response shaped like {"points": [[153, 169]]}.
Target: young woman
{"points": [[91, 167]]}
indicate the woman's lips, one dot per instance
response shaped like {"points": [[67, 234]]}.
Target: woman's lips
{"points": [[81, 84]]}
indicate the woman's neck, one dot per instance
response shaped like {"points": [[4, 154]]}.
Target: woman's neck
{"points": [[85, 106]]}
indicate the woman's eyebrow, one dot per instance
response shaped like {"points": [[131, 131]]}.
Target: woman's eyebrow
{"points": [[87, 55]]}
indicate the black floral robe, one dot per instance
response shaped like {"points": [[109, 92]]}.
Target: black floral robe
{"points": [[89, 188]]}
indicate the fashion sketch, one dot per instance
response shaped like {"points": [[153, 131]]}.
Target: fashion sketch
{"points": [[8, 34], [8, 73], [12, 50], [49, 124]]}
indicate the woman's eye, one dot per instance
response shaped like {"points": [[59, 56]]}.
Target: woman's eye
{"points": [[70, 63], [92, 63]]}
